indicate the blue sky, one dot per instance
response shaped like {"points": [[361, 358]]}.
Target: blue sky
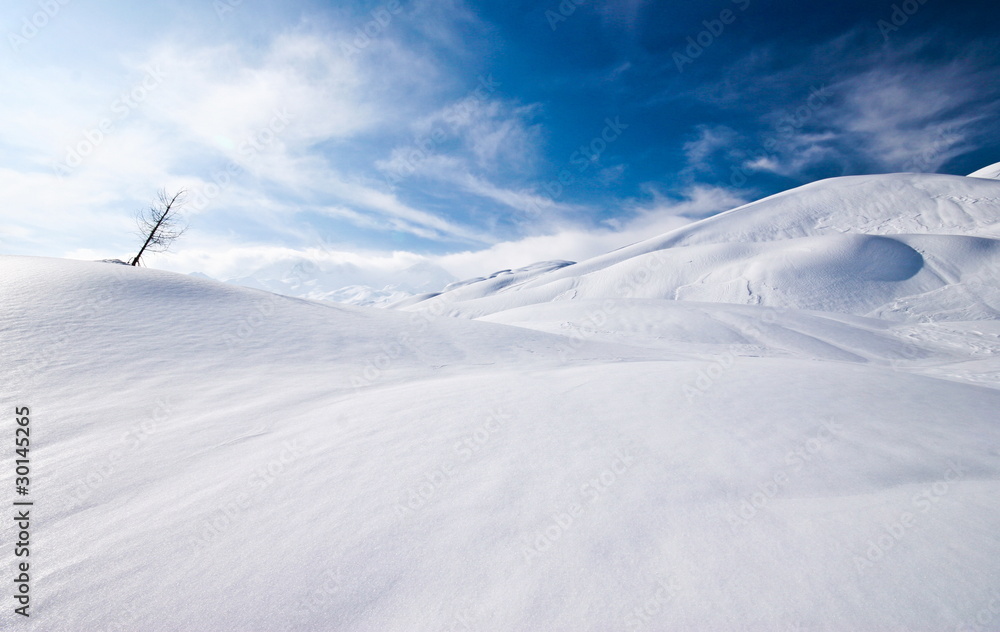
{"points": [[475, 136]]}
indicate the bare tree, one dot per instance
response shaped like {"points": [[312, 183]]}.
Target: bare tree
{"points": [[159, 224]]}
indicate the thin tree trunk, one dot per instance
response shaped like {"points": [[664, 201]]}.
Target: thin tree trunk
{"points": [[152, 233], [135, 261]]}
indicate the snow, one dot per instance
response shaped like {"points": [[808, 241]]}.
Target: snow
{"points": [[992, 171], [853, 245], [779, 418], [348, 283]]}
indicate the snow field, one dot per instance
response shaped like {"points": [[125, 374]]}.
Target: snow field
{"points": [[776, 423]]}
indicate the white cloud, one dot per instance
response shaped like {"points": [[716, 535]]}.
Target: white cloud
{"points": [[480, 132], [912, 117], [494, 132], [243, 128], [896, 117], [576, 243], [849, 107], [531, 206], [474, 142], [220, 96], [222, 260], [225, 259], [710, 140]]}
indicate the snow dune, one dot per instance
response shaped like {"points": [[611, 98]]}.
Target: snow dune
{"points": [[806, 440]]}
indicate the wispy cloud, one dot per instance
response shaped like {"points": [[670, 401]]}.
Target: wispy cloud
{"points": [[575, 242], [711, 140], [869, 110], [231, 123], [914, 116], [656, 214], [429, 126]]}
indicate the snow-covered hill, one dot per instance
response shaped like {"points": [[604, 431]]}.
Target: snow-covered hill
{"points": [[878, 245], [588, 454], [992, 171]]}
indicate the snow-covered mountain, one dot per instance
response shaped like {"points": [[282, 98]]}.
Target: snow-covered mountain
{"points": [[783, 417], [902, 246], [345, 282], [992, 171]]}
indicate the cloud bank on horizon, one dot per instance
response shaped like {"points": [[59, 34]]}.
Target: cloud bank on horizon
{"points": [[476, 135]]}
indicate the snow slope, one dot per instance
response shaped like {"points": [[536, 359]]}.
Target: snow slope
{"points": [[992, 171], [208, 457], [863, 245], [782, 417]]}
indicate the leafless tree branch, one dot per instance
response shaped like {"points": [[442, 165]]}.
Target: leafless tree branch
{"points": [[159, 224]]}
